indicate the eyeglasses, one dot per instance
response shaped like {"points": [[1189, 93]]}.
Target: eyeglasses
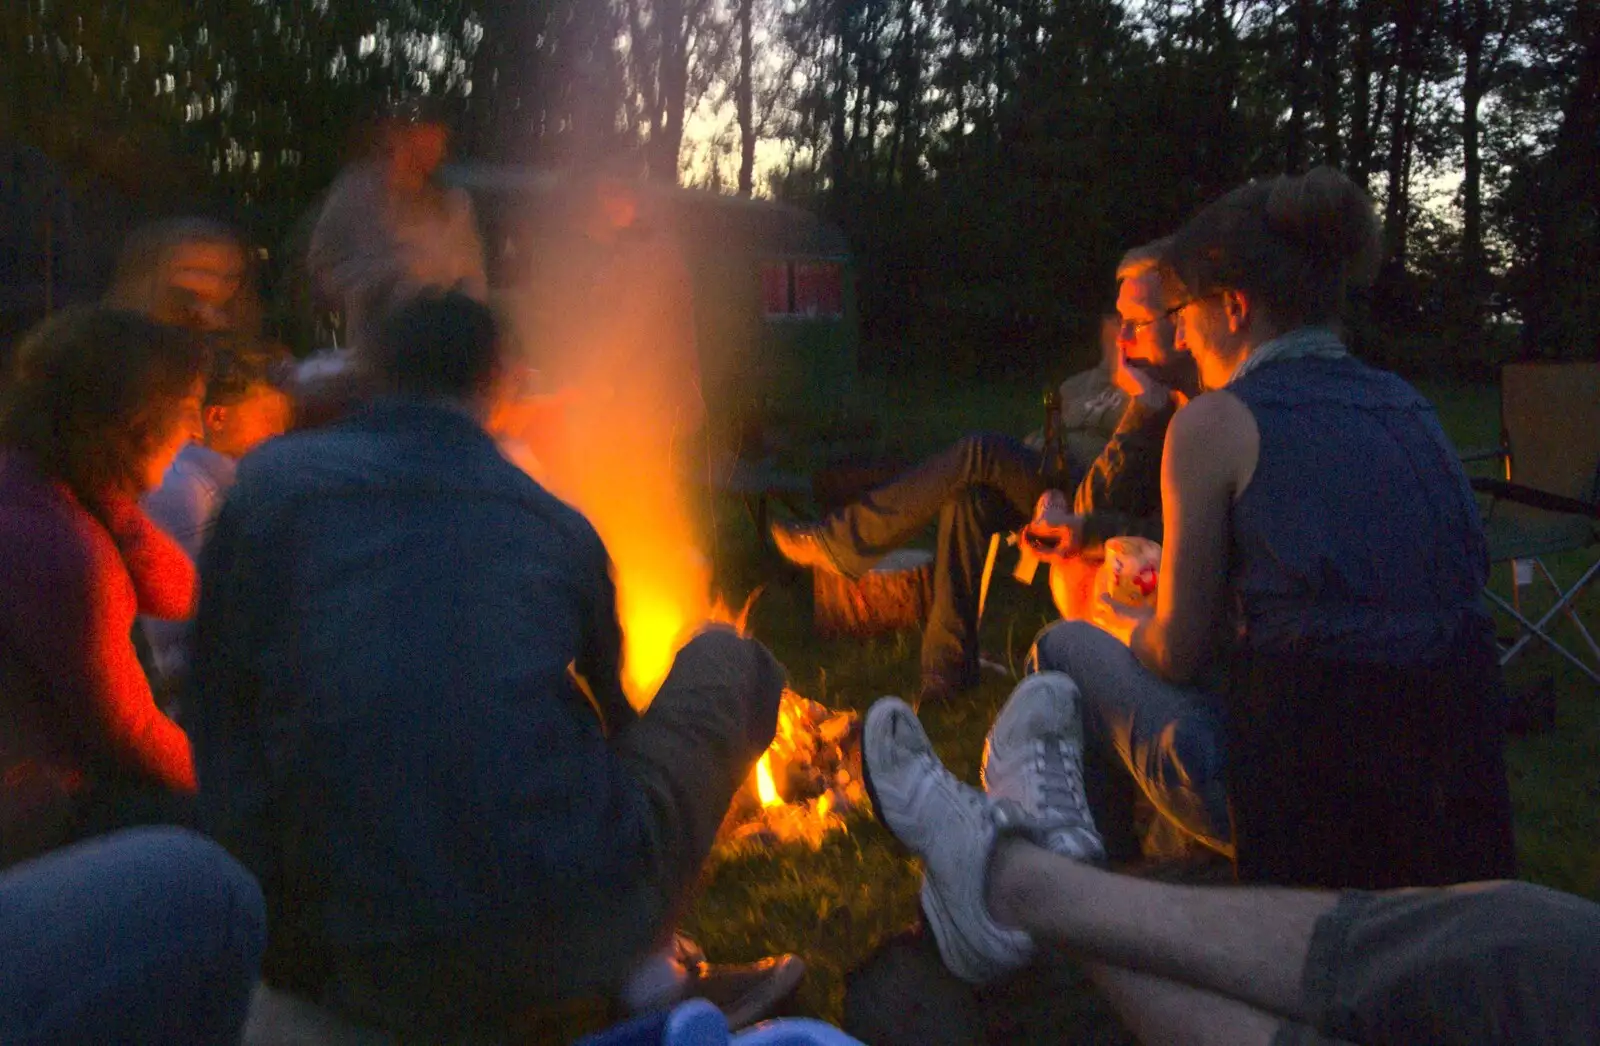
{"points": [[1131, 328], [1172, 312]]}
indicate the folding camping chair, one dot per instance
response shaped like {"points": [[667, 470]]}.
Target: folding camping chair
{"points": [[1549, 502]]}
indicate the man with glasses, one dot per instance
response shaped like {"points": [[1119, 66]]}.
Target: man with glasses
{"points": [[986, 484]]}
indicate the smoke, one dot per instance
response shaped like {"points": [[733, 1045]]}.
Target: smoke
{"points": [[607, 318]]}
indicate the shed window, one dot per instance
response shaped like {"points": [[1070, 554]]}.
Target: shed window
{"points": [[803, 289], [775, 297], [819, 289]]}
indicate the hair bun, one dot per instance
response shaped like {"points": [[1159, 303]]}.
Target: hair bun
{"points": [[1331, 217]]}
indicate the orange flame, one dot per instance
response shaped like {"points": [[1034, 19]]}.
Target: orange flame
{"points": [[621, 473], [766, 790]]}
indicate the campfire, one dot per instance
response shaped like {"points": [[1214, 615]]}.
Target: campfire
{"points": [[806, 783], [809, 780]]}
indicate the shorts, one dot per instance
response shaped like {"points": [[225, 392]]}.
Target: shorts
{"points": [[1491, 962]]}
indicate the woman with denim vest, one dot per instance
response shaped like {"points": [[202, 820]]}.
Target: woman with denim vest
{"points": [[1321, 577]]}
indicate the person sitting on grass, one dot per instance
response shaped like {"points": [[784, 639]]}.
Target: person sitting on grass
{"points": [[96, 406], [1013, 867], [405, 697], [987, 484], [245, 405], [1317, 669]]}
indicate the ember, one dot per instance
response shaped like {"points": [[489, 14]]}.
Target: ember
{"points": [[805, 785]]}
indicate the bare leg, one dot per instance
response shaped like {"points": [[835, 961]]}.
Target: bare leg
{"points": [[1162, 1011], [1247, 944]]}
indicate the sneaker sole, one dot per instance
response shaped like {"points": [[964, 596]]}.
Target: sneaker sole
{"points": [[872, 790]]}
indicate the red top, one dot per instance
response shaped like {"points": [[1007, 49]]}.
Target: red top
{"points": [[70, 586]]}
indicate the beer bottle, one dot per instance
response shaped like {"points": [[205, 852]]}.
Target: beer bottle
{"points": [[1053, 456]]}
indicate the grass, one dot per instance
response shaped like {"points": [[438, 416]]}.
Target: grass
{"points": [[835, 905]]}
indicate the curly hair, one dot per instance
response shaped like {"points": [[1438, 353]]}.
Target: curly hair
{"points": [[91, 390], [238, 365]]}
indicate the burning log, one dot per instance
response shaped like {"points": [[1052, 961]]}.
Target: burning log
{"points": [[894, 595], [805, 785]]}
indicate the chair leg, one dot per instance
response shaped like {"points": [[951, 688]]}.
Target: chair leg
{"points": [[1571, 597], [1536, 630]]}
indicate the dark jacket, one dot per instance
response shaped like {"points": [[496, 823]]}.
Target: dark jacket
{"points": [[1120, 496], [385, 725]]}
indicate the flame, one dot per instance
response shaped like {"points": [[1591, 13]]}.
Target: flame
{"points": [[610, 443], [766, 790], [621, 472], [656, 622]]}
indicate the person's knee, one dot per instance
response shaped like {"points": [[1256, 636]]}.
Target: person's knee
{"points": [[1061, 647], [985, 447], [222, 900], [751, 672]]}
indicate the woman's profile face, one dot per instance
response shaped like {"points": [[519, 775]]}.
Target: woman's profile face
{"points": [[180, 426], [1201, 328]]}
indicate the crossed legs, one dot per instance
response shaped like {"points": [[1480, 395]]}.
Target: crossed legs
{"points": [[978, 486], [1180, 964], [1481, 962], [1169, 739]]}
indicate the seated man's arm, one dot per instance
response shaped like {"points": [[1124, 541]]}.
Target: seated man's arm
{"points": [[1121, 493], [600, 660]]}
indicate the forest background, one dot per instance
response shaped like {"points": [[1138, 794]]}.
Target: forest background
{"points": [[988, 159]]}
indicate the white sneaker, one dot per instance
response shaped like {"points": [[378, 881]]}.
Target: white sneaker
{"points": [[1034, 758], [951, 827]]}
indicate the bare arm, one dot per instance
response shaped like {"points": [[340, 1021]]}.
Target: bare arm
{"points": [[1211, 452]]}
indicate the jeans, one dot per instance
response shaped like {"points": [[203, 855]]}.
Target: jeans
{"points": [[981, 485], [688, 754], [1170, 739], [152, 935]]}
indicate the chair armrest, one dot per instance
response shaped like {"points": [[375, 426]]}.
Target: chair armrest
{"points": [[1542, 499]]}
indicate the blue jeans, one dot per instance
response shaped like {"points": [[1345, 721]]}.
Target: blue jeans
{"points": [[1170, 739], [152, 935], [980, 485]]}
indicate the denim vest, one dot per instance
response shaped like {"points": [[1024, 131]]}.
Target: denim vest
{"points": [[1358, 538]]}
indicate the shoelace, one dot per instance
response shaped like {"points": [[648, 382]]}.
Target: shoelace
{"points": [[1060, 779]]}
